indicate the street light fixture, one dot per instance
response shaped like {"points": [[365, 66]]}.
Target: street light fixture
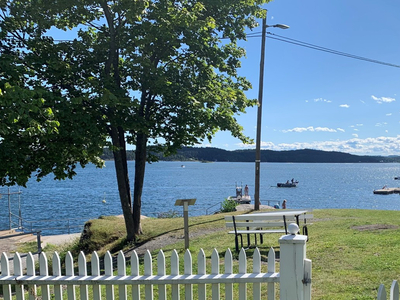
{"points": [[281, 26], [259, 112]]}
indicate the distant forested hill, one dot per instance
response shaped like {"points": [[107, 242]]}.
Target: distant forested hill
{"points": [[304, 156]]}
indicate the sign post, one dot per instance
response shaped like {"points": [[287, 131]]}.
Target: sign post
{"points": [[185, 203]]}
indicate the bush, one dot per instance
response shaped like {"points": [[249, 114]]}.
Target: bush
{"points": [[228, 205]]}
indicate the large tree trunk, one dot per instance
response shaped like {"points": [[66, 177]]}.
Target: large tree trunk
{"points": [[121, 168], [140, 165]]}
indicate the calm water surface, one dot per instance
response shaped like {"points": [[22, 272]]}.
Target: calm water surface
{"points": [[320, 186]]}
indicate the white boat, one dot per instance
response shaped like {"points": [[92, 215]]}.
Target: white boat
{"points": [[239, 197]]}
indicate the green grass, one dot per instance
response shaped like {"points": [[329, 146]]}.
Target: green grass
{"points": [[348, 263]]}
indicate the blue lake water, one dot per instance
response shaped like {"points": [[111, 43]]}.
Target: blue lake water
{"points": [[320, 186]]}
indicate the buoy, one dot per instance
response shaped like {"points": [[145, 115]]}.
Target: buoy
{"points": [[104, 201]]}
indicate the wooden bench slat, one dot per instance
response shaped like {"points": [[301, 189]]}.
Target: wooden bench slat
{"points": [[255, 224], [260, 217], [257, 231]]}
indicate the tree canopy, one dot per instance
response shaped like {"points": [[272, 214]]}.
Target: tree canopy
{"points": [[160, 74]]}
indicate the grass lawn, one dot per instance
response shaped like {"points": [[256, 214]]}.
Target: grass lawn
{"points": [[352, 251]]}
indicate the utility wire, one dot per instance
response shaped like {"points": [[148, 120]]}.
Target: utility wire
{"points": [[308, 45], [319, 48]]}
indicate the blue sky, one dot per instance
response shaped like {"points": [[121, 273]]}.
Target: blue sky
{"points": [[318, 100]]}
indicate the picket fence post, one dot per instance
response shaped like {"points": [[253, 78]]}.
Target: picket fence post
{"points": [[295, 282]]}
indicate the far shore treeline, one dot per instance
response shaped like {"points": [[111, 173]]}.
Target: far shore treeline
{"points": [[294, 156]]}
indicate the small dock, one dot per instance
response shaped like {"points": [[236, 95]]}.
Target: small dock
{"points": [[387, 191]]}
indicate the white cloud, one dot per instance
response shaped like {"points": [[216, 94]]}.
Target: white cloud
{"points": [[370, 146], [383, 99], [355, 135], [311, 129], [355, 129], [325, 129], [389, 114], [344, 105], [340, 129], [322, 100]]}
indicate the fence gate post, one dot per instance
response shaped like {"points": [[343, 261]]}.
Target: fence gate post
{"points": [[292, 261]]}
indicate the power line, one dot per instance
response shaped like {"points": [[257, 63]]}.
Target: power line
{"points": [[306, 45], [319, 48]]}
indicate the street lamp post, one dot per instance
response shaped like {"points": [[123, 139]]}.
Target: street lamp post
{"points": [[259, 112]]}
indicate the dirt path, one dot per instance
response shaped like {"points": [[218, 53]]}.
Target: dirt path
{"points": [[165, 240]]}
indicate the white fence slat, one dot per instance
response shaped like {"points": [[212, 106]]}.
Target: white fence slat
{"points": [[82, 270], [5, 267], [108, 271], [19, 288], [271, 269], [121, 263], [394, 290], [215, 287], [57, 272], [201, 270], [69, 271], [175, 271], [148, 271], [5, 271], [188, 271], [381, 293], [30, 271], [162, 289], [257, 269], [44, 271], [242, 270], [95, 268], [307, 276], [135, 272], [228, 271]]}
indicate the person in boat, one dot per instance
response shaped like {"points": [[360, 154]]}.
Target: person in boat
{"points": [[246, 190], [287, 182], [284, 204], [292, 180]]}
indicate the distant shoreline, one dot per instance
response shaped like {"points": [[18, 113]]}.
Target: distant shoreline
{"points": [[292, 156]]}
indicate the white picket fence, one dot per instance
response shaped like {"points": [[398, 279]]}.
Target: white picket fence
{"points": [[295, 273], [394, 292]]}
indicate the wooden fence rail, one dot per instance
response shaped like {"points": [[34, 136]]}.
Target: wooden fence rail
{"points": [[295, 271]]}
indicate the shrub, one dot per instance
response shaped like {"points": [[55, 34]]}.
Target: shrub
{"points": [[228, 205]]}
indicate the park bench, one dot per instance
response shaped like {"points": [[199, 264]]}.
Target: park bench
{"points": [[266, 222]]}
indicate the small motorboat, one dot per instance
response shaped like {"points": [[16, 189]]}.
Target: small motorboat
{"points": [[289, 184], [240, 198], [397, 178]]}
